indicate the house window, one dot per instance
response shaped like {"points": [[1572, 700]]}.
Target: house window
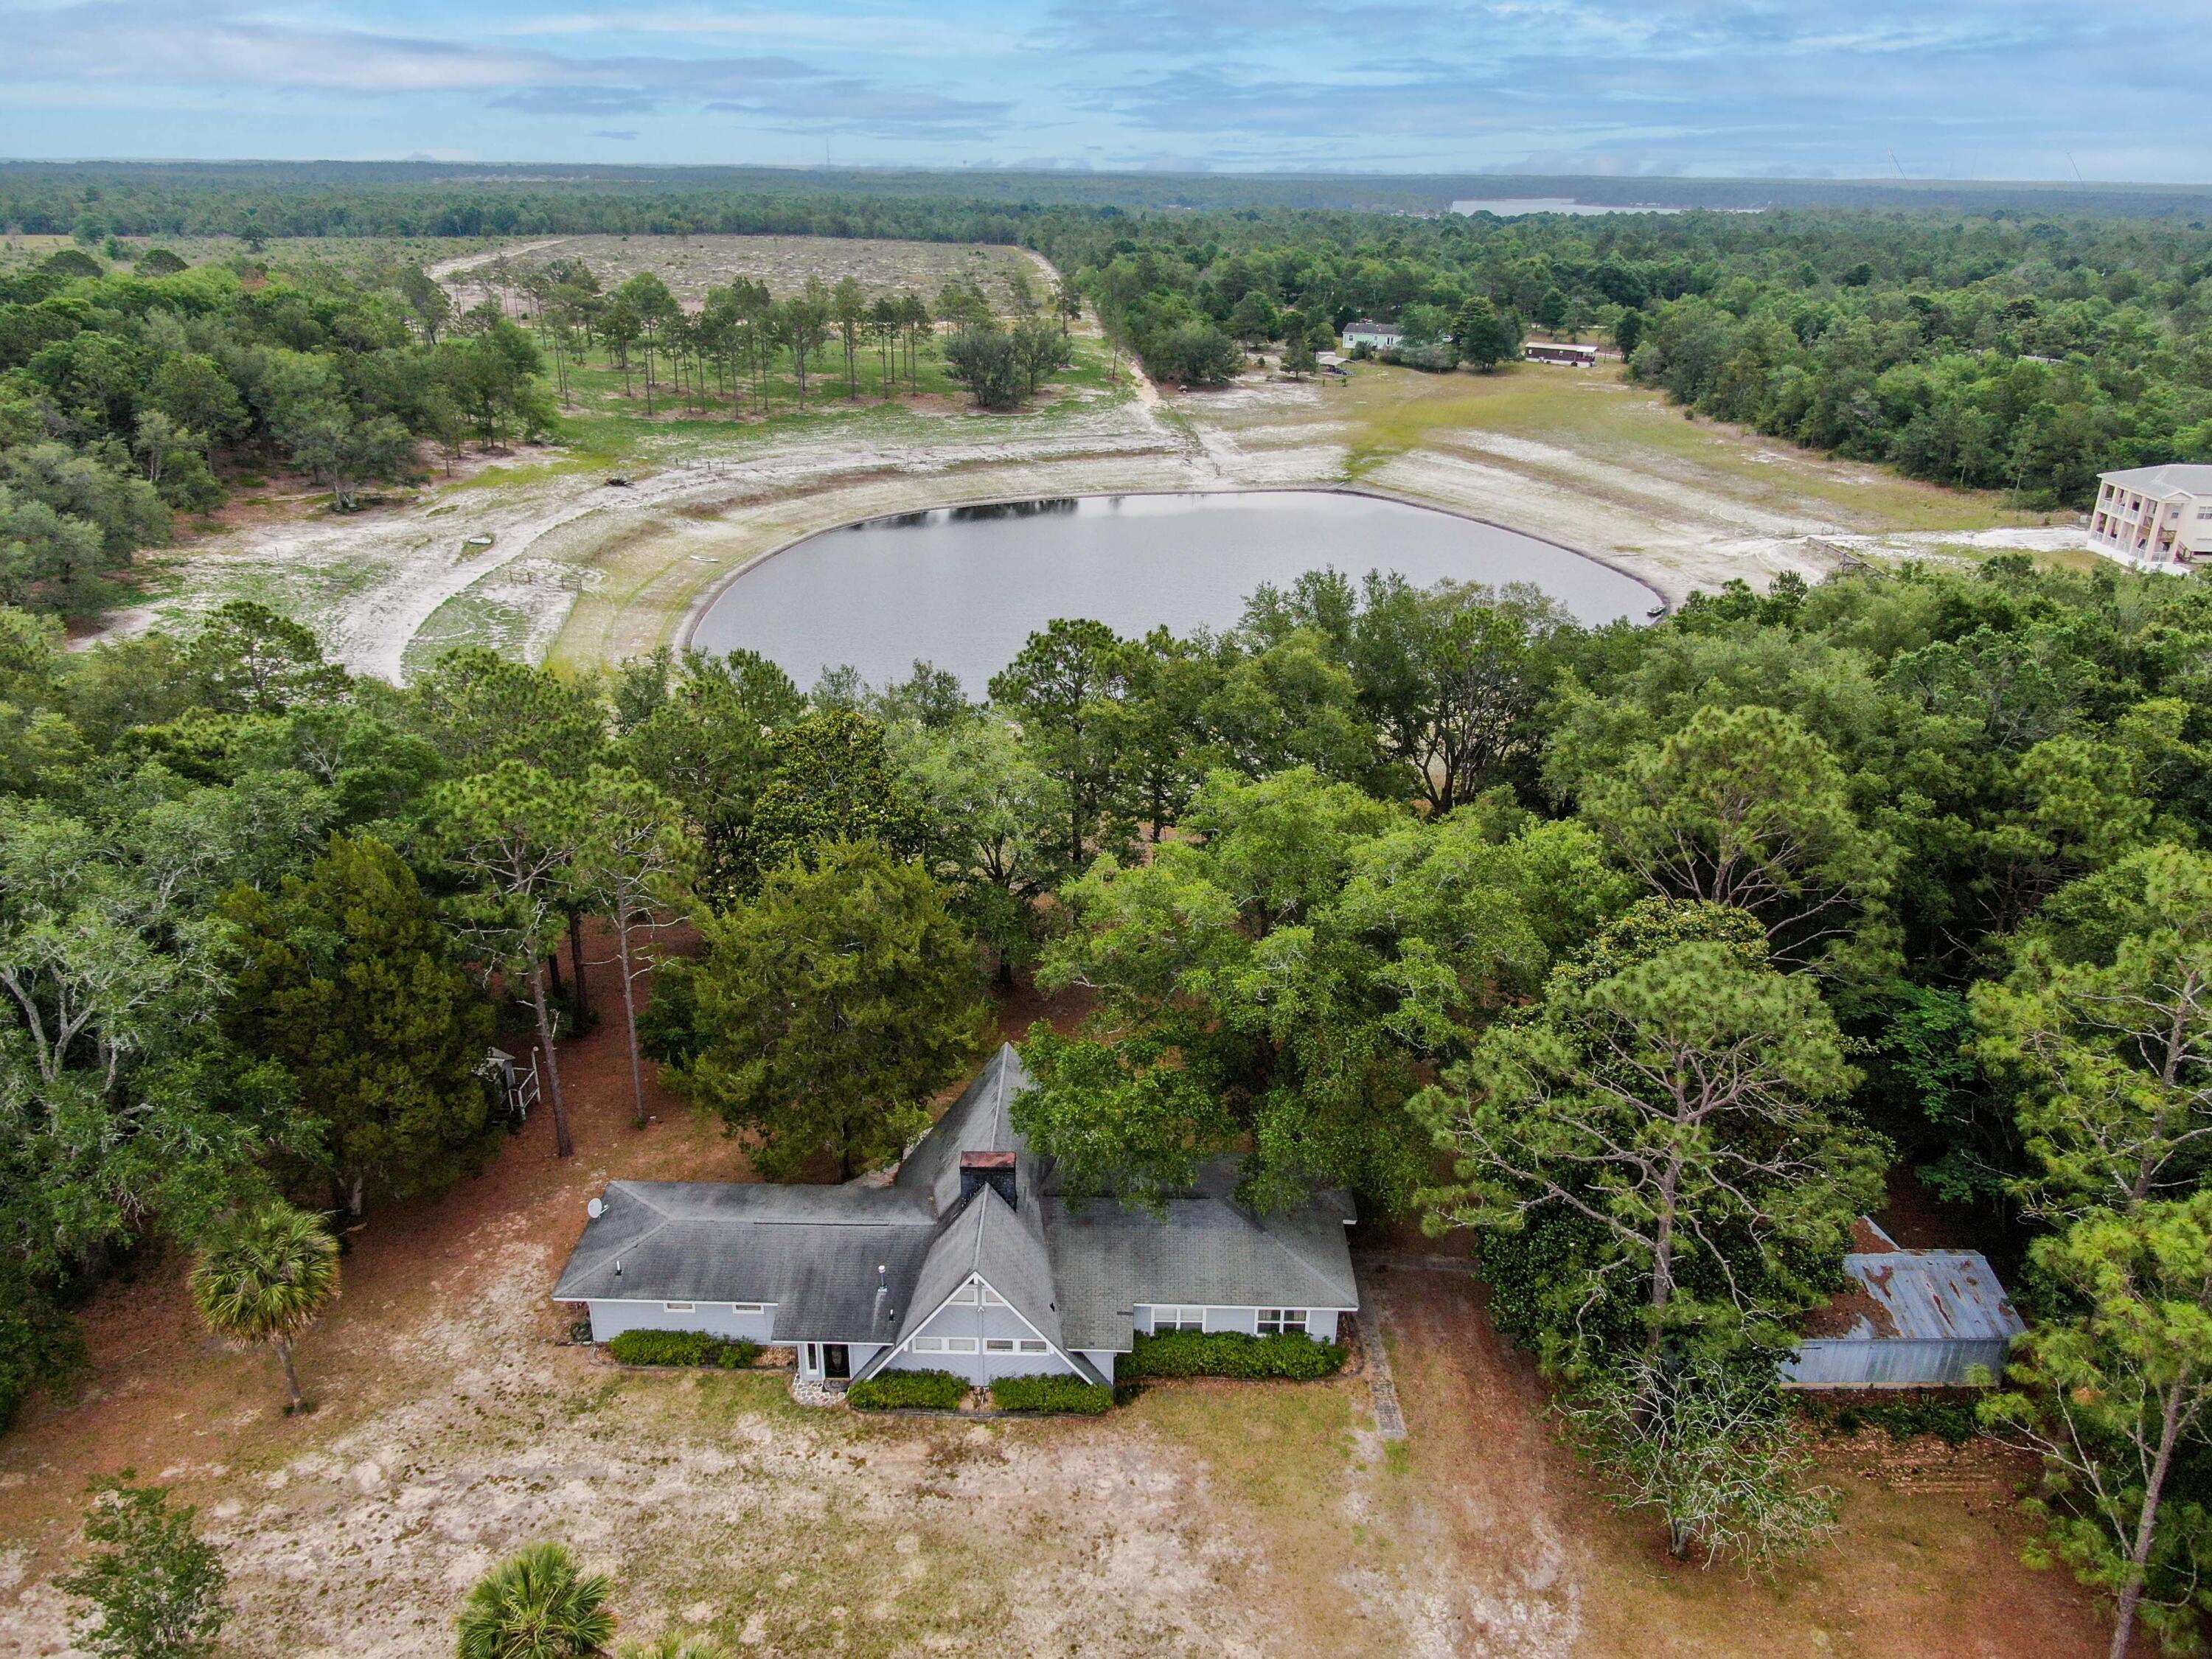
{"points": [[929, 1345], [1034, 1347], [676, 1307], [1178, 1319], [959, 1344], [991, 1298], [965, 1296], [1282, 1321], [748, 1307], [998, 1345]]}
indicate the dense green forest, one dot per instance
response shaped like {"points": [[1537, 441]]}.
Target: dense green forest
{"points": [[126, 397], [1647, 952], [2000, 353]]}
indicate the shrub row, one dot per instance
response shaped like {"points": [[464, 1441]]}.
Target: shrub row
{"points": [[683, 1348], [1229, 1354], [909, 1390], [1050, 1394], [1953, 1419]]}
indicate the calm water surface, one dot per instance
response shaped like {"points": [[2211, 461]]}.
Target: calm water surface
{"points": [[963, 587]]}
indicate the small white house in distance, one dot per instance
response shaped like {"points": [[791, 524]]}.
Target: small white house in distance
{"points": [[971, 1261], [1559, 351], [1375, 337], [2159, 516], [1912, 1319]]}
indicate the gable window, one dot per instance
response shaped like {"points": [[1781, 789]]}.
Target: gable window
{"points": [[998, 1344], [748, 1307], [1178, 1319], [1034, 1347], [676, 1307], [929, 1345], [959, 1344], [965, 1296], [1282, 1321], [991, 1298]]}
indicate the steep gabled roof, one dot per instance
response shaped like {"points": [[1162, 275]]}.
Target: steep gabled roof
{"points": [[980, 1121]]}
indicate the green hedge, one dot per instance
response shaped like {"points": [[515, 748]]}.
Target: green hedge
{"points": [[1229, 1354], [894, 1390], [1050, 1394], [682, 1348]]}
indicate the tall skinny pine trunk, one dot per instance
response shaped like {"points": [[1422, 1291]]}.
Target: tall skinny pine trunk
{"points": [[564, 1143]]}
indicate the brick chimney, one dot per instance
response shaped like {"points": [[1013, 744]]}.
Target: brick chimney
{"points": [[992, 1170]]}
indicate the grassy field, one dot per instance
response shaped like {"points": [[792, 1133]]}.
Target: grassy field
{"points": [[454, 1422]]}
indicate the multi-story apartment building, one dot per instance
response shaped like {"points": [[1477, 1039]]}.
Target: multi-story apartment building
{"points": [[2156, 516]]}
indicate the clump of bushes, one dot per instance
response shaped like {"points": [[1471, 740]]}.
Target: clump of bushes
{"points": [[1231, 1353], [1952, 1420], [683, 1348], [1050, 1394], [938, 1391]]}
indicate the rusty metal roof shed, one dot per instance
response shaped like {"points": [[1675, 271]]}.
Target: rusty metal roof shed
{"points": [[1932, 1295]]}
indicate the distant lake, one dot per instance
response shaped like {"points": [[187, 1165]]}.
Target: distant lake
{"points": [[963, 587], [1515, 207]]}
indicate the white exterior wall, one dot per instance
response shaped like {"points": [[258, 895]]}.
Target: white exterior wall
{"points": [[2171, 527], [981, 1324], [611, 1319]]}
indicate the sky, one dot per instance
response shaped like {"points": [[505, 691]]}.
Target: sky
{"points": [[1850, 88]]}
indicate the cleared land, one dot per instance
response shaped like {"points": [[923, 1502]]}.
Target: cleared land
{"points": [[584, 574], [455, 1423], [692, 264]]}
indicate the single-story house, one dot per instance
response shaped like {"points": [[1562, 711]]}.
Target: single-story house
{"points": [[971, 1260], [1376, 336], [1912, 1319], [1559, 351]]}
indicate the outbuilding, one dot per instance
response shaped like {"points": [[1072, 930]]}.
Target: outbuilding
{"points": [[1912, 1319], [1375, 337], [1559, 351]]}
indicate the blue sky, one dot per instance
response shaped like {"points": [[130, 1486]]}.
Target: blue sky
{"points": [[1956, 89]]}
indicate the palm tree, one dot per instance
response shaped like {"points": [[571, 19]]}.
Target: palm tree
{"points": [[263, 1276], [536, 1605]]}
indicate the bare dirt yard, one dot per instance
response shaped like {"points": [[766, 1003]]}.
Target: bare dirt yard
{"points": [[455, 1422], [584, 574]]}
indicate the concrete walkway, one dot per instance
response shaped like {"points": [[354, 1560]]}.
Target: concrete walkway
{"points": [[1383, 1392]]}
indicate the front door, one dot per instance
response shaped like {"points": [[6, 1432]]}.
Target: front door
{"points": [[837, 1363]]}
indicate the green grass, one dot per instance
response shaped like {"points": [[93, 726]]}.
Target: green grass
{"points": [[467, 618], [1392, 412]]}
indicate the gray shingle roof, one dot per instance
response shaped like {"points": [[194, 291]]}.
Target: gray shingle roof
{"points": [[1074, 1273], [1205, 1251], [980, 1121], [812, 1251]]}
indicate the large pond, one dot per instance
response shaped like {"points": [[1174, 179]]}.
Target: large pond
{"points": [[963, 587]]}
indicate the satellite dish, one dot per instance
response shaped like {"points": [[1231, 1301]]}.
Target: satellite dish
{"points": [[596, 1208]]}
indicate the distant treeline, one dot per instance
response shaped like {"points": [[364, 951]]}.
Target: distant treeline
{"points": [[2014, 347], [405, 198]]}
